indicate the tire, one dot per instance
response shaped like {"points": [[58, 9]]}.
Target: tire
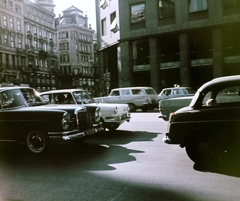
{"points": [[132, 107], [36, 141], [144, 109], [199, 151]]}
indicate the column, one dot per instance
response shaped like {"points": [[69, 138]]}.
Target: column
{"points": [[154, 63], [217, 53], [184, 60]]}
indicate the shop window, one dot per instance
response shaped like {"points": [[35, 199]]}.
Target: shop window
{"points": [[166, 8], [138, 13], [197, 5], [140, 52]]}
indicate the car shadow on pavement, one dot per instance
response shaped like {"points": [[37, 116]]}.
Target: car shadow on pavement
{"points": [[96, 153]]}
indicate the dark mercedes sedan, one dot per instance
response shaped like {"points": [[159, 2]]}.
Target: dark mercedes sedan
{"points": [[209, 128], [25, 119]]}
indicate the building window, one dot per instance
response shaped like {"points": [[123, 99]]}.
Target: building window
{"points": [[64, 46], [138, 13], [63, 34], [12, 41], [28, 27], [5, 20], [140, 52], [5, 39], [19, 43], [4, 3], [103, 4], [18, 25], [11, 23], [10, 5], [104, 28], [17, 8], [34, 30], [40, 32], [166, 8], [197, 5], [112, 17], [64, 58]]}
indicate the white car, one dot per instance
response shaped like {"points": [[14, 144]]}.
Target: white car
{"points": [[144, 98], [113, 115]]}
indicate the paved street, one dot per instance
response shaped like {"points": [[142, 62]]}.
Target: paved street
{"points": [[131, 163]]}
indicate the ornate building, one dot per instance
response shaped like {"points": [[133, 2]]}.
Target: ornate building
{"points": [[28, 53], [76, 50]]}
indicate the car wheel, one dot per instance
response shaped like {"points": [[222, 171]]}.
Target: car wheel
{"points": [[132, 107], [36, 141], [198, 151], [144, 109]]}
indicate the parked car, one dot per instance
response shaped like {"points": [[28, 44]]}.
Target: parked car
{"points": [[144, 98], [167, 106], [113, 115], [209, 128], [174, 92], [25, 118]]}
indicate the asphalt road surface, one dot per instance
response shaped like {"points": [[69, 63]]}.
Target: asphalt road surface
{"points": [[131, 163]]}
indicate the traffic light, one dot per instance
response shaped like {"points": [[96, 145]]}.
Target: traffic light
{"points": [[107, 77]]}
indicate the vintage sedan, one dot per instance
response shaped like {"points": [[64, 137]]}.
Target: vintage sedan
{"points": [[113, 115], [24, 119], [174, 92], [168, 106], [209, 128]]}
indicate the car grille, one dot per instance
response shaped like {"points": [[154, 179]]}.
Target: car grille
{"points": [[83, 121]]}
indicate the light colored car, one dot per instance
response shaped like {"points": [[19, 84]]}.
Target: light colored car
{"points": [[174, 92], [144, 98], [168, 106], [113, 115]]}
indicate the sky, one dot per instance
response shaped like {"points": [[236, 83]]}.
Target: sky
{"points": [[87, 6]]}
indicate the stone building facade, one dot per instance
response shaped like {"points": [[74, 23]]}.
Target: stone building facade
{"points": [[167, 42], [43, 51], [76, 51]]}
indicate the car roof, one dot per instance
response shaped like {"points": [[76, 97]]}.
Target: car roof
{"points": [[132, 88], [15, 87], [61, 91], [169, 88], [220, 81]]}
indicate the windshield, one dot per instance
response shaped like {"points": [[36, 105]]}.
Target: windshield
{"points": [[12, 98], [24, 97], [82, 97]]}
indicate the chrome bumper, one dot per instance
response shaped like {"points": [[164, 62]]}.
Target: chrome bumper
{"points": [[74, 134]]}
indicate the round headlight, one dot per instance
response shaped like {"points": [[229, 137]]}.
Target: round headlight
{"points": [[97, 114], [65, 121], [116, 110]]}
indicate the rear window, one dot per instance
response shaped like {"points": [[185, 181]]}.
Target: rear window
{"points": [[150, 91], [136, 91]]}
